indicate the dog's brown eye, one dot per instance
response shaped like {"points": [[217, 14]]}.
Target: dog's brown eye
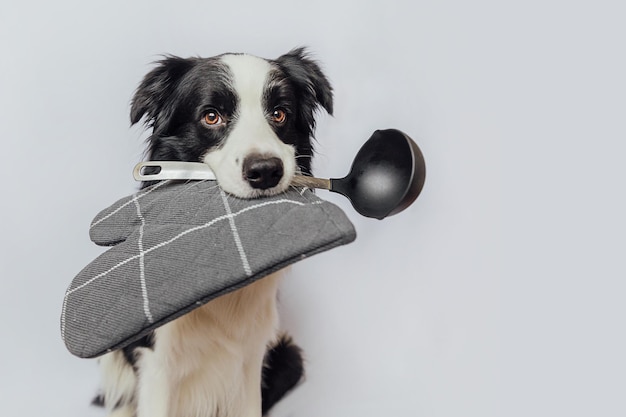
{"points": [[213, 118], [279, 116]]}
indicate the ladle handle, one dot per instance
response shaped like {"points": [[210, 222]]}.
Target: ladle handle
{"points": [[310, 182], [172, 170]]}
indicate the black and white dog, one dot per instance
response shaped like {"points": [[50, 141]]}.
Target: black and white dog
{"points": [[252, 121]]}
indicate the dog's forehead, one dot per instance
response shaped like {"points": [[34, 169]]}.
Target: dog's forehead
{"points": [[249, 73]]}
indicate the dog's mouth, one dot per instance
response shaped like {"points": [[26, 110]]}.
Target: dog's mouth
{"points": [[264, 177], [261, 176], [250, 192], [262, 193], [256, 174]]}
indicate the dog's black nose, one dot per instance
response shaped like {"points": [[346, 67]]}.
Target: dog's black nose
{"points": [[262, 172]]}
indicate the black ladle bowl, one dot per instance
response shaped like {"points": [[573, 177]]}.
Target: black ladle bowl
{"points": [[386, 177]]}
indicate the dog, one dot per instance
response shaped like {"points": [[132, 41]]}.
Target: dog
{"points": [[252, 121]]}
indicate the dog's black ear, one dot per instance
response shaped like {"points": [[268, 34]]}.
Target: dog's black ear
{"points": [[311, 84], [151, 97]]}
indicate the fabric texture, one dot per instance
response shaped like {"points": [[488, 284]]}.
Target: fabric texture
{"points": [[178, 245]]}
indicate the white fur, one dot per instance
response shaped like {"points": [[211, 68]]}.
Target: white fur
{"points": [[251, 133], [207, 361], [118, 380]]}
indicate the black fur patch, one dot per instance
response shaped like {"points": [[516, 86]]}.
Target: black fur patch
{"points": [[283, 368], [98, 400], [129, 351], [173, 97]]}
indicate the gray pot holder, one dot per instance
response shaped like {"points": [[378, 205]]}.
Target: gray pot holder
{"points": [[176, 246]]}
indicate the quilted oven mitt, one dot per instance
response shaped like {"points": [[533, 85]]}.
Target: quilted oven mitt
{"points": [[178, 245]]}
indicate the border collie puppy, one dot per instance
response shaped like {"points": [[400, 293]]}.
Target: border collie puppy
{"points": [[252, 121]]}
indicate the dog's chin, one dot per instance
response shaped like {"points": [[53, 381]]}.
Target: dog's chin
{"points": [[244, 190], [255, 193]]}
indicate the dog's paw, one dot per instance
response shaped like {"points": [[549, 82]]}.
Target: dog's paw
{"points": [[283, 368]]}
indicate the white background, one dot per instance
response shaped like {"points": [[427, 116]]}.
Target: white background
{"points": [[500, 292]]}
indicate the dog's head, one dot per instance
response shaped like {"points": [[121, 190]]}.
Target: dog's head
{"points": [[249, 118]]}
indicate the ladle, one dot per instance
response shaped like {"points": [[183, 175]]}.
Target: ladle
{"points": [[386, 176]]}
